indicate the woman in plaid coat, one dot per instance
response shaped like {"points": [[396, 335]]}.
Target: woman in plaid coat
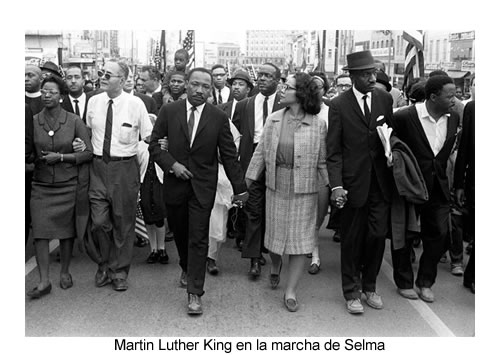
{"points": [[292, 152]]}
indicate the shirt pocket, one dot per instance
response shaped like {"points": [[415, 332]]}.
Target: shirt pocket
{"points": [[127, 133]]}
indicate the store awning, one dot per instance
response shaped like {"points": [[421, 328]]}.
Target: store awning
{"points": [[458, 74]]}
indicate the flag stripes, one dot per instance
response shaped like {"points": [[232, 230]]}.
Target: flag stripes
{"points": [[189, 45], [414, 57]]}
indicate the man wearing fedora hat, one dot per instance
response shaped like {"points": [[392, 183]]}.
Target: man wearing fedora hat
{"points": [[241, 87], [50, 68], [360, 179]]}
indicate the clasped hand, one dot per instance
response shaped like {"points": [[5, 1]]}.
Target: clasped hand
{"points": [[339, 197], [50, 157], [240, 199]]}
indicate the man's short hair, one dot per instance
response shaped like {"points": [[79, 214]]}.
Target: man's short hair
{"points": [[216, 66], [200, 69], [277, 70], [74, 66], [154, 74], [437, 72], [435, 84], [176, 72], [341, 76], [123, 67]]}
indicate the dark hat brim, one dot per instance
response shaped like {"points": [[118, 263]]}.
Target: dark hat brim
{"points": [[361, 67], [250, 84]]}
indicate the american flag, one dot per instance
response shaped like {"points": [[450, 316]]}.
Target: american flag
{"points": [[414, 58], [188, 45], [140, 226]]}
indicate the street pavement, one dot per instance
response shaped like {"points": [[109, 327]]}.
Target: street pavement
{"points": [[236, 306]]}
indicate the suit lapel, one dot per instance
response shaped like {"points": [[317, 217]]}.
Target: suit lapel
{"points": [[183, 118], [203, 120], [353, 103], [413, 116]]}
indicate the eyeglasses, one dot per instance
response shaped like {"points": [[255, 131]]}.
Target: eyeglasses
{"points": [[288, 87], [343, 86], [219, 75], [51, 92], [107, 76]]}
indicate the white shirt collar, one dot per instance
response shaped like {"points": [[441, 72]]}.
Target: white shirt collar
{"points": [[33, 94], [198, 108], [360, 95]]}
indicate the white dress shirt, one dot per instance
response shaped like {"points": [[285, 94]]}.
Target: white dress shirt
{"points": [[259, 99], [130, 118], [225, 94], [197, 116], [359, 96], [436, 131], [234, 103], [81, 103]]}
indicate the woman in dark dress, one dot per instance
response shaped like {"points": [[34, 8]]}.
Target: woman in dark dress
{"points": [[55, 181]]}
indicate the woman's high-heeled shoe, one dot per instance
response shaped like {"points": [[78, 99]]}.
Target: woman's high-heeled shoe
{"points": [[275, 278]]}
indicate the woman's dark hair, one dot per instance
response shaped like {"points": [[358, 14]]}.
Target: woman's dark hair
{"points": [[323, 77], [307, 93], [61, 84]]}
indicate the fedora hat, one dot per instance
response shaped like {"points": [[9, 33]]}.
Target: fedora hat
{"points": [[360, 61], [241, 74], [51, 67]]}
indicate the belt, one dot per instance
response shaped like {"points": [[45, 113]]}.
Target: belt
{"points": [[285, 166], [115, 158]]}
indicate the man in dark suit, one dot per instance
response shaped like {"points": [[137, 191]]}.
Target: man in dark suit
{"points": [[429, 129], [196, 132], [359, 179], [241, 86], [221, 93], [249, 118], [464, 182], [76, 101]]}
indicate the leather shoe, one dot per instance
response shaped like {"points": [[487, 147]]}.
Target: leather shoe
{"points": [[36, 293], [374, 300], [336, 237], [354, 306], [457, 270], [291, 304], [163, 256], [275, 278], [153, 257], [470, 285], [408, 293], [141, 242], [169, 237], [66, 281], [102, 278], [195, 307], [255, 269], [313, 269], [120, 285], [183, 279], [211, 266], [426, 294]]}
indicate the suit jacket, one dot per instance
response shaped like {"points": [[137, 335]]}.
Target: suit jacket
{"points": [[214, 96], [409, 129], [354, 148], [149, 102], [464, 173], [213, 132], [244, 120], [68, 106], [227, 108], [309, 153]]}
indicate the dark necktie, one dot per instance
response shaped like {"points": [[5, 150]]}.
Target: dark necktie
{"points": [[220, 97], [265, 109], [190, 123], [106, 151], [367, 113], [77, 109]]}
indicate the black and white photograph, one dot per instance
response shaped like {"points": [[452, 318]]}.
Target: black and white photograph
{"points": [[245, 187]]}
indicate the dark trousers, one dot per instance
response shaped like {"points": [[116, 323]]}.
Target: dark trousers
{"points": [[454, 241], [255, 219], [113, 192], [434, 216], [191, 232], [469, 272], [363, 231]]}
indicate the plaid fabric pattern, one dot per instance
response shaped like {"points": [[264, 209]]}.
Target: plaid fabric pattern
{"points": [[290, 218]]}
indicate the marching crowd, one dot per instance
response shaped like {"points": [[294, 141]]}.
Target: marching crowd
{"points": [[203, 155]]}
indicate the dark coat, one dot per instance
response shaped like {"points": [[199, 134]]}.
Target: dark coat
{"points": [[213, 134], [354, 148], [244, 120], [408, 128], [464, 173]]}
